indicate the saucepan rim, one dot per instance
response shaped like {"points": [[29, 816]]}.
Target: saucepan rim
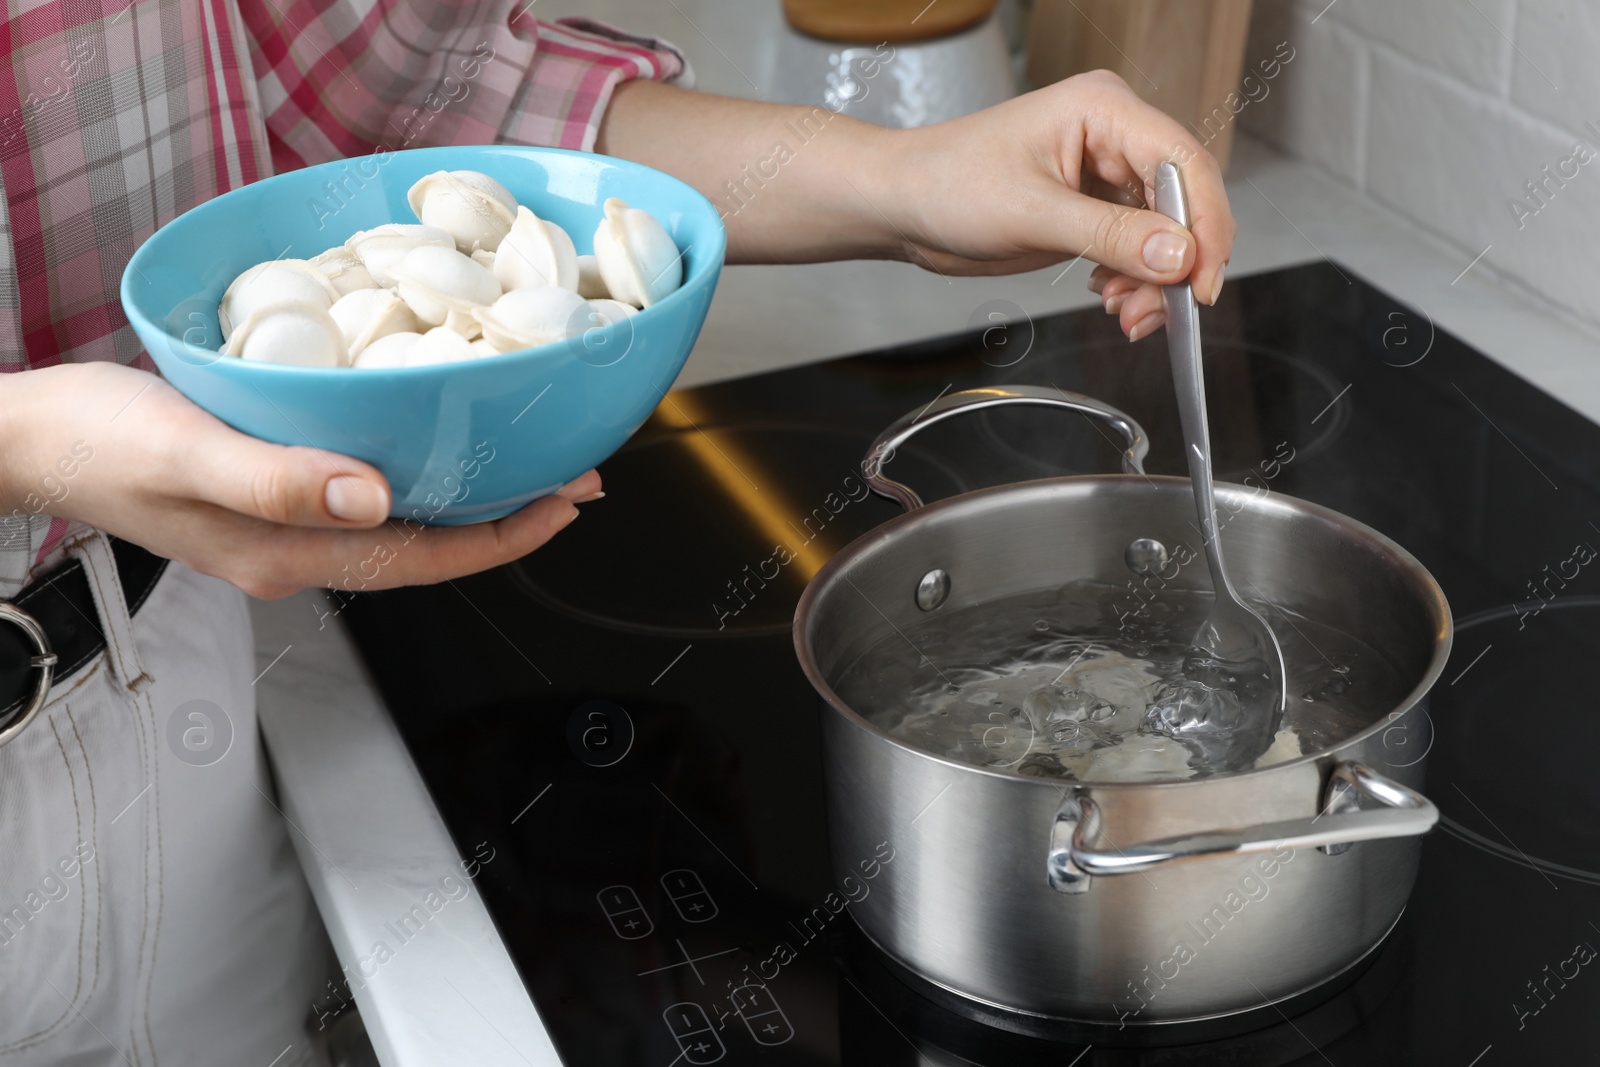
{"points": [[1432, 595]]}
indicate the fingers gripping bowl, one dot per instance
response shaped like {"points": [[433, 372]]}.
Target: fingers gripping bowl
{"points": [[459, 442]]}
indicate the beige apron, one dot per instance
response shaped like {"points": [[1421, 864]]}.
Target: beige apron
{"points": [[152, 910]]}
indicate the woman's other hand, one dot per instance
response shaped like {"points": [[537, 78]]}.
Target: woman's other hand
{"points": [[154, 469]]}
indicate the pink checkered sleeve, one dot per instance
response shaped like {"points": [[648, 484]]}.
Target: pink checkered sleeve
{"points": [[340, 78], [115, 117]]}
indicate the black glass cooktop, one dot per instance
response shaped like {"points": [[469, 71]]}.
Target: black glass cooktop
{"points": [[620, 716]]}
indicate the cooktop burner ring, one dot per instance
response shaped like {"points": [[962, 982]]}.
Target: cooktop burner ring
{"points": [[1515, 855], [1310, 422], [1508, 851]]}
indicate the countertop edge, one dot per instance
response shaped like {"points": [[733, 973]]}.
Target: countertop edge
{"points": [[376, 853]]}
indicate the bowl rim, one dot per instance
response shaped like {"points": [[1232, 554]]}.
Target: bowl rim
{"points": [[202, 358]]}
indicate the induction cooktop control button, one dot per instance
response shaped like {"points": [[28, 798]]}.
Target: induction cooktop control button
{"points": [[623, 911], [688, 895], [697, 1040], [761, 1014]]}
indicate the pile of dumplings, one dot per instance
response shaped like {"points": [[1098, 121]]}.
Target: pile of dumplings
{"points": [[477, 275]]}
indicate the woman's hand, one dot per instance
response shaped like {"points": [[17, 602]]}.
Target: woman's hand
{"points": [[1057, 173], [271, 520]]}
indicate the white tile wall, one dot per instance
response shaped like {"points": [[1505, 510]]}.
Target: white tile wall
{"points": [[1556, 75], [1444, 110], [1313, 109], [1468, 39]]}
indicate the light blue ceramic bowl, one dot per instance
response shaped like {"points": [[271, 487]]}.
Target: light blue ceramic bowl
{"points": [[462, 442]]}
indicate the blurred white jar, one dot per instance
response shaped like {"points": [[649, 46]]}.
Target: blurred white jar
{"points": [[914, 83]]}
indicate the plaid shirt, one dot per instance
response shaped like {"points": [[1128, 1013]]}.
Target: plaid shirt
{"points": [[116, 118]]}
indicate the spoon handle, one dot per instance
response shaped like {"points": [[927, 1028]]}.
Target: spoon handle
{"points": [[1183, 344]]}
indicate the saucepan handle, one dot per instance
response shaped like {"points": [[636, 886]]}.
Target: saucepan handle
{"points": [[1401, 812], [883, 449]]}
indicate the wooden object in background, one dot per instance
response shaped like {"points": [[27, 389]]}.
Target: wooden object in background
{"points": [[1183, 56], [876, 21]]}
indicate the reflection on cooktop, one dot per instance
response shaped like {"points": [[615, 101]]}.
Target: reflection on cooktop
{"points": [[719, 531], [880, 1004]]}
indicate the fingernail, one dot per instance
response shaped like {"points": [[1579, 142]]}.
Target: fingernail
{"points": [[1115, 303], [1147, 325], [565, 519], [355, 499], [1163, 252], [1216, 284], [566, 491], [592, 496]]}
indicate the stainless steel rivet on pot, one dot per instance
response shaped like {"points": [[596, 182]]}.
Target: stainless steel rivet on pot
{"points": [[1131, 902]]}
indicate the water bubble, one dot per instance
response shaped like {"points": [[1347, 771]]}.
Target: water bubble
{"points": [[1330, 687], [1041, 765], [1192, 708], [1053, 704]]}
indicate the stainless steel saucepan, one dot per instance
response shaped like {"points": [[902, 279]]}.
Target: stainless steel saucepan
{"points": [[1123, 902]]}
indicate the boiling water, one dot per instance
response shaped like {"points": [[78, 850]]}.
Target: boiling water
{"points": [[1054, 685]]}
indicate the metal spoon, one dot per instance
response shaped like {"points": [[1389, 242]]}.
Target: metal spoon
{"points": [[1234, 632]]}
